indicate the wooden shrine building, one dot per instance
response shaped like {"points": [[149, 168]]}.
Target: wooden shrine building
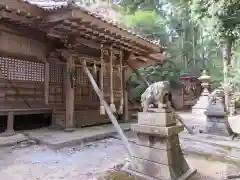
{"points": [[40, 63]]}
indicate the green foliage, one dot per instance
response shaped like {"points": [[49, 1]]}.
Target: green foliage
{"points": [[192, 31], [153, 74], [222, 16], [149, 24], [131, 6], [221, 20]]}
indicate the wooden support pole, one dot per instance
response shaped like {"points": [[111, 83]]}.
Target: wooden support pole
{"points": [[102, 110], [70, 85], [112, 105], [46, 83], [120, 111], [108, 110], [125, 95], [10, 124]]}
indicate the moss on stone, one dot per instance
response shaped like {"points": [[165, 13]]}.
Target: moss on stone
{"points": [[228, 148]]}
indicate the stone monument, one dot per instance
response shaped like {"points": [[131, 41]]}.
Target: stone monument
{"points": [[216, 115], [157, 152], [201, 105]]}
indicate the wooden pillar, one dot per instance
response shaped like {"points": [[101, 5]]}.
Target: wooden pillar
{"points": [[102, 109], [120, 111], [46, 83], [70, 84], [112, 105], [10, 123], [125, 95]]}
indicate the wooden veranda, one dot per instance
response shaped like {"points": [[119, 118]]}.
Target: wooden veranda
{"points": [[40, 70]]}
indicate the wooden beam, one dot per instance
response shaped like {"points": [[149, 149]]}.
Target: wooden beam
{"points": [[92, 44], [126, 57], [113, 37], [70, 84], [67, 30], [10, 123], [87, 26], [76, 15], [80, 27], [112, 105], [125, 96], [23, 31], [20, 17]]}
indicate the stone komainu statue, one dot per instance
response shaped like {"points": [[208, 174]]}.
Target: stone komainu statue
{"points": [[156, 95]]}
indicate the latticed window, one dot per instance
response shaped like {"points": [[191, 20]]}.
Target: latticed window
{"points": [[81, 77], [15, 69], [56, 72], [3, 69]]}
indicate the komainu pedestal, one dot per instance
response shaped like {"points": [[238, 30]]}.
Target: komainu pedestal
{"points": [[217, 119], [157, 152]]}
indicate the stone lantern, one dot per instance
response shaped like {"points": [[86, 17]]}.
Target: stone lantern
{"points": [[202, 104], [205, 80]]}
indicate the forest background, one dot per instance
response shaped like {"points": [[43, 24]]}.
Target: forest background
{"points": [[197, 34]]}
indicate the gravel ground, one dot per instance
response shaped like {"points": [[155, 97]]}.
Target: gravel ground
{"points": [[40, 163], [87, 162]]}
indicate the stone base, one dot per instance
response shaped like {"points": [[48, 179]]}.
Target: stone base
{"points": [[167, 165], [158, 158], [157, 130], [199, 124], [217, 126], [69, 129], [7, 133], [202, 104], [157, 153], [185, 176]]}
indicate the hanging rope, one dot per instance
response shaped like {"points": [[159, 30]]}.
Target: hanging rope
{"points": [[108, 110], [102, 109], [94, 68], [120, 111], [112, 105]]}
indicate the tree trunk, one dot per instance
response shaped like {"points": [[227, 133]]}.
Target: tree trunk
{"points": [[227, 50]]}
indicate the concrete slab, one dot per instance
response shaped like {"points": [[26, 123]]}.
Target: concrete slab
{"points": [[211, 148], [11, 140], [212, 139], [57, 139]]}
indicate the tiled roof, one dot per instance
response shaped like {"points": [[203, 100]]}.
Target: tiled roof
{"points": [[52, 5]]}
